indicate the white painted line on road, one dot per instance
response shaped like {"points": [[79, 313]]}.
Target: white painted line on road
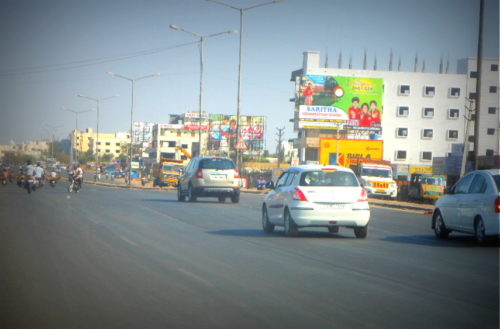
{"points": [[196, 277], [124, 238]]}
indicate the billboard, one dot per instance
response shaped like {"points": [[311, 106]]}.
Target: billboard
{"points": [[350, 151], [223, 132], [142, 132], [353, 104]]}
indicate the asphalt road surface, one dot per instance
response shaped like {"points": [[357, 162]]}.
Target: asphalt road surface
{"points": [[118, 258]]}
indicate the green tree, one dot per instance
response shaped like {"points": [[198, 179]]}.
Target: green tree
{"points": [[86, 157], [107, 157]]}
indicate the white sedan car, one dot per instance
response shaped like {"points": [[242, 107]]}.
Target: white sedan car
{"points": [[472, 206], [316, 196]]}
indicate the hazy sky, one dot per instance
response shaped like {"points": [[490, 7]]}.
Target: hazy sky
{"points": [[52, 50]]}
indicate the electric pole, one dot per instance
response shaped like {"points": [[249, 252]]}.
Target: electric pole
{"points": [[280, 132], [478, 86]]}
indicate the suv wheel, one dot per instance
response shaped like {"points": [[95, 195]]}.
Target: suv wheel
{"points": [[266, 225], [191, 196], [290, 226], [180, 196], [479, 231], [222, 199], [235, 198]]}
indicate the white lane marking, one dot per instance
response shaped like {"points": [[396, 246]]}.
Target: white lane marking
{"points": [[124, 238], [195, 277]]}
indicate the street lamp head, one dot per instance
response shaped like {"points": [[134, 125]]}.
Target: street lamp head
{"points": [[175, 27], [111, 73], [233, 31], [276, 1]]}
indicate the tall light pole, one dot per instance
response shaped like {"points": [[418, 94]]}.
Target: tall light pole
{"points": [[132, 114], [76, 113], [241, 10], [97, 101], [50, 129], [200, 38]]}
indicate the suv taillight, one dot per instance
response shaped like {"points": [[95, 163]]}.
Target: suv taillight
{"points": [[199, 173], [236, 173], [364, 196], [298, 195], [497, 205]]}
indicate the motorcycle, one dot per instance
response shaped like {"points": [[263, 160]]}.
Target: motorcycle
{"points": [[74, 185], [37, 183], [20, 180], [3, 181], [52, 183]]}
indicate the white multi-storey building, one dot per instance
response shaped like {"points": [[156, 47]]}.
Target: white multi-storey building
{"points": [[489, 117], [423, 114]]}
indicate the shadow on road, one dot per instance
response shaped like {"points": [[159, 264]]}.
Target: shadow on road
{"points": [[278, 234], [185, 202], [460, 241]]}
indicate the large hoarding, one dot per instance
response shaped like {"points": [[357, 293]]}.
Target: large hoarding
{"points": [[353, 104], [142, 132], [350, 152], [223, 132]]}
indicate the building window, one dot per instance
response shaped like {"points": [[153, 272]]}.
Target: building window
{"points": [[426, 156], [428, 112], [117, 144], [452, 134], [178, 133], [494, 67], [402, 132], [490, 131], [473, 74], [183, 157], [98, 143], [470, 139], [117, 151], [454, 92], [184, 146], [400, 155], [472, 95], [403, 111], [493, 89], [492, 110], [171, 144], [193, 134], [404, 90], [108, 143], [427, 133], [429, 91], [108, 151], [98, 150], [489, 152], [453, 114]]}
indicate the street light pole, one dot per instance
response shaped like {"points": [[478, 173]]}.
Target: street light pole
{"points": [[97, 101], [200, 38], [238, 101], [132, 81], [76, 113]]}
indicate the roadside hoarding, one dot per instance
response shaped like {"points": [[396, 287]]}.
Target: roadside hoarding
{"points": [[223, 132], [350, 151], [142, 132], [350, 103]]}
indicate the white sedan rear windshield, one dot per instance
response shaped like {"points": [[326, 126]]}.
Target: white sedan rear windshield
{"points": [[328, 178], [216, 163]]}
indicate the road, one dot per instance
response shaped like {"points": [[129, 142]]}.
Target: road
{"points": [[119, 258]]}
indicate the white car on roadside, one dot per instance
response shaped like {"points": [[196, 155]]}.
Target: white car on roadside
{"points": [[316, 196], [472, 206]]}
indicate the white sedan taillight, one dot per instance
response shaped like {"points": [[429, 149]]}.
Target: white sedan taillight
{"points": [[364, 196], [298, 195]]}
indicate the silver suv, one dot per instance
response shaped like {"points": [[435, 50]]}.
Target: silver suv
{"points": [[211, 177]]}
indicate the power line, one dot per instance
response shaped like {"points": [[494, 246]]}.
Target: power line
{"points": [[87, 62]]}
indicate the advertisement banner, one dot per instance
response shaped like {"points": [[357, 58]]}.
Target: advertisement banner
{"points": [[142, 132], [223, 132], [349, 151], [354, 99]]}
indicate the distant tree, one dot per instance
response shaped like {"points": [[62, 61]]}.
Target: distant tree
{"points": [[107, 157], [86, 157]]}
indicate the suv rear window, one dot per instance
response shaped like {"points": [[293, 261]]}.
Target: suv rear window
{"points": [[328, 178], [496, 178], [216, 163]]}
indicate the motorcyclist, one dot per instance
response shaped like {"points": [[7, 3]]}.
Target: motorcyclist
{"points": [[78, 175], [29, 170], [39, 173]]}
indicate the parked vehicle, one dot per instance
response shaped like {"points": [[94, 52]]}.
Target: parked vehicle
{"points": [[316, 196], [210, 177], [471, 206], [425, 187]]}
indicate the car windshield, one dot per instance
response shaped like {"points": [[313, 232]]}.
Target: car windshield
{"points": [[374, 172], [216, 163], [328, 178]]}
